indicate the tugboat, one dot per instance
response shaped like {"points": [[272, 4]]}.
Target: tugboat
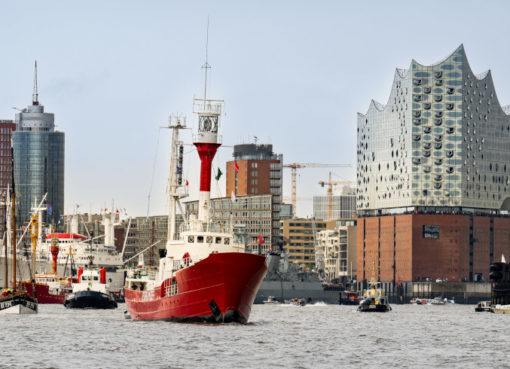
{"points": [[204, 274], [91, 291], [374, 298]]}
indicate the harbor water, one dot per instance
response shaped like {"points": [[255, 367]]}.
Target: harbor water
{"points": [[278, 336]]}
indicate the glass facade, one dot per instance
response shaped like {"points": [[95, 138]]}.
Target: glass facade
{"points": [[344, 207], [442, 140], [39, 154]]}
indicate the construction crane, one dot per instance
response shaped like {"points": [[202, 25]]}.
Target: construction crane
{"points": [[295, 166], [330, 183]]}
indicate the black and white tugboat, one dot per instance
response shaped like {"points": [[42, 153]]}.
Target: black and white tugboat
{"points": [[91, 291]]}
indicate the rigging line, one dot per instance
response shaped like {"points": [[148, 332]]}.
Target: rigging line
{"points": [[153, 172]]}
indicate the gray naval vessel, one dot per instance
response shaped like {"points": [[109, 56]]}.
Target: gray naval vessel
{"points": [[284, 281]]}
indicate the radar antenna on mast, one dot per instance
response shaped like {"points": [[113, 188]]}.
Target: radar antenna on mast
{"points": [[35, 95]]}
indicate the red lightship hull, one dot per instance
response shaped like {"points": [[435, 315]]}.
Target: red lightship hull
{"points": [[220, 288], [43, 295]]}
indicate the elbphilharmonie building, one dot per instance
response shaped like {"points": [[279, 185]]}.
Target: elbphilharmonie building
{"points": [[437, 158], [443, 139]]}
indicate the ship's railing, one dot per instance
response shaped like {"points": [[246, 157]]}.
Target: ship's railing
{"points": [[201, 106]]}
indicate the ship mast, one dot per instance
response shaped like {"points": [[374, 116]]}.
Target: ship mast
{"points": [[175, 123], [206, 140]]}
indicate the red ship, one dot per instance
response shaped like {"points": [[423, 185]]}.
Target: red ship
{"points": [[205, 274], [48, 289]]}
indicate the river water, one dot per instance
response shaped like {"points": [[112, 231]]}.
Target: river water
{"points": [[278, 336]]}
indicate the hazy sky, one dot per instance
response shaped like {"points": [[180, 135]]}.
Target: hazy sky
{"points": [[292, 73]]}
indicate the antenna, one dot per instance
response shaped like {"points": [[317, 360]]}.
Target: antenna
{"points": [[35, 95], [206, 65]]}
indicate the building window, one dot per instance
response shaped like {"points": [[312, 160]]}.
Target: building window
{"points": [[430, 231]]}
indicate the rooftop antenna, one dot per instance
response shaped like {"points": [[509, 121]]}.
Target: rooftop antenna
{"points": [[35, 95], [206, 65]]}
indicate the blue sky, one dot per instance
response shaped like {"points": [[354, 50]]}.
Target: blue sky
{"points": [[292, 73]]}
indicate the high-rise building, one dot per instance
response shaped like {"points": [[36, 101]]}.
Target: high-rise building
{"points": [[38, 161], [344, 206], [440, 146], [257, 170], [6, 129]]}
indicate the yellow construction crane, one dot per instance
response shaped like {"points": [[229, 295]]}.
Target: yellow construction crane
{"points": [[330, 183], [295, 166]]}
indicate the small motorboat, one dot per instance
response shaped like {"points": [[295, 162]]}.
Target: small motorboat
{"points": [[296, 302], [271, 300], [483, 306]]}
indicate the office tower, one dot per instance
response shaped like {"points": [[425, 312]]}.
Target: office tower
{"points": [[38, 161]]}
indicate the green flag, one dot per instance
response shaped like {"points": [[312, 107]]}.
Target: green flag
{"points": [[218, 175]]}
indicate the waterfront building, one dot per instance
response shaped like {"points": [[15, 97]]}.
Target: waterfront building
{"points": [[257, 170], [344, 206], [251, 216], [433, 167], [299, 237], [6, 129], [38, 162], [335, 251]]}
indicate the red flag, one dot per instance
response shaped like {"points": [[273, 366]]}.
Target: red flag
{"points": [[261, 239], [236, 166], [187, 183]]}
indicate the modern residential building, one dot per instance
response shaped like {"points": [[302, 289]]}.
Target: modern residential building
{"points": [[335, 251], [6, 129], [257, 170], [433, 168], [343, 206], [251, 217], [299, 236], [38, 162]]}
